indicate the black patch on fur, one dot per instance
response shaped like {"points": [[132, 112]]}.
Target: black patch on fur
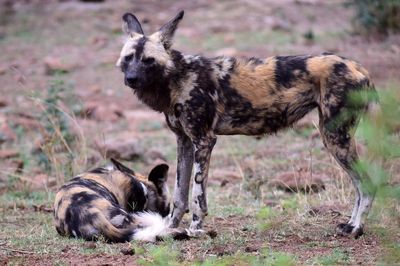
{"points": [[94, 186], [340, 69], [255, 61], [77, 216], [136, 196], [178, 110], [139, 48], [99, 170], [285, 67]]}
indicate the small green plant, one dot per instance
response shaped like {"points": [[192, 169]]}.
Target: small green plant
{"points": [[380, 132], [376, 16], [162, 255], [337, 257], [276, 259], [265, 218]]}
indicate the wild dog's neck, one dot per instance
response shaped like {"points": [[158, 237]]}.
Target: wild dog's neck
{"points": [[158, 94]]}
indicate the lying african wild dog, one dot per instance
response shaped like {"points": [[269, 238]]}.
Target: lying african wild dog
{"points": [[204, 97], [115, 203]]}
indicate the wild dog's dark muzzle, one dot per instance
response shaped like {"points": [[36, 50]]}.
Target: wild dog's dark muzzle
{"points": [[131, 79]]}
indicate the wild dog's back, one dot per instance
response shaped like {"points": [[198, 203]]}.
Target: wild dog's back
{"points": [[258, 96]]}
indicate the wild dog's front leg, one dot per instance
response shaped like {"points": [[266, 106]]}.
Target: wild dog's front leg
{"points": [[182, 181], [202, 154]]}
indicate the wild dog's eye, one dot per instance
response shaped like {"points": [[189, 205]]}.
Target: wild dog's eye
{"points": [[128, 57], [148, 60]]}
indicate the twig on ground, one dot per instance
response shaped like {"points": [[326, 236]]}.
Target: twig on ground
{"points": [[17, 250]]}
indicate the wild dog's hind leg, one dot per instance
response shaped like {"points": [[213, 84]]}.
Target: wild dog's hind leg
{"points": [[182, 181], [202, 154], [338, 137]]}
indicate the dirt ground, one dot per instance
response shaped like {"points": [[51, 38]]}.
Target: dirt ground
{"points": [[57, 61]]}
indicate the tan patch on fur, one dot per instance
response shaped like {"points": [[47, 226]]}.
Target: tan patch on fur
{"points": [[356, 71], [127, 49], [116, 182], [101, 204], [65, 196], [255, 83], [321, 66], [154, 48], [184, 94]]}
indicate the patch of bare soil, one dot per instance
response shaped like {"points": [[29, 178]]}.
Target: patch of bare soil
{"points": [[70, 259]]}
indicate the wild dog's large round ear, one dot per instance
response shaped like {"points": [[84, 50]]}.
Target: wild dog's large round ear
{"points": [[159, 175], [131, 25], [167, 31]]}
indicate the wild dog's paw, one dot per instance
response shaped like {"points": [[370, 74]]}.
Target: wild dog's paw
{"points": [[196, 232], [174, 233], [345, 229], [180, 234]]}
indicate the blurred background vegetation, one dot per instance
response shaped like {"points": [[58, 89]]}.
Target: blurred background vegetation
{"points": [[275, 200]]}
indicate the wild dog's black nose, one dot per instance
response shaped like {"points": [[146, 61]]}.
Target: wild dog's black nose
{"points": [[131, 78]]}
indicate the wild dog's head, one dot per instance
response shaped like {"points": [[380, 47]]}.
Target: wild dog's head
{"points": [[147, 194], [146, 61]]}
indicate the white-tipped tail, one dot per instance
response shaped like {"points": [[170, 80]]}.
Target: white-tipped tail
{"points": [[154, 225]]}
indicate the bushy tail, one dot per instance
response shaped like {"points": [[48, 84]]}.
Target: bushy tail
{"points": [[153, 227], [145, 226]]}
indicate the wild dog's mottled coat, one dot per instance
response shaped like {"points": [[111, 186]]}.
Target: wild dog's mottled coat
{"points": [[203, 97], [110, 201]]}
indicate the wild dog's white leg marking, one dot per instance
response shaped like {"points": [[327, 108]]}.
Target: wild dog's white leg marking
{"points": [[202, 155], [363, 210], [357, 187], [182, 181]]}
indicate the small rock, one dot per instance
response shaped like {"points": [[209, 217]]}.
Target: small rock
{"points": [[3, 103], [154, 155], [224, 182], [121, 149], [3, 70], [128, 251], [299, 181], [250, 249], [90, 245], [225, 174], [54, 64], [102, 112], [8, 153]]}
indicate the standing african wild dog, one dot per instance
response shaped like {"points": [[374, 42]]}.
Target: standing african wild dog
{"points": [[204, 97], [115, 203]]}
